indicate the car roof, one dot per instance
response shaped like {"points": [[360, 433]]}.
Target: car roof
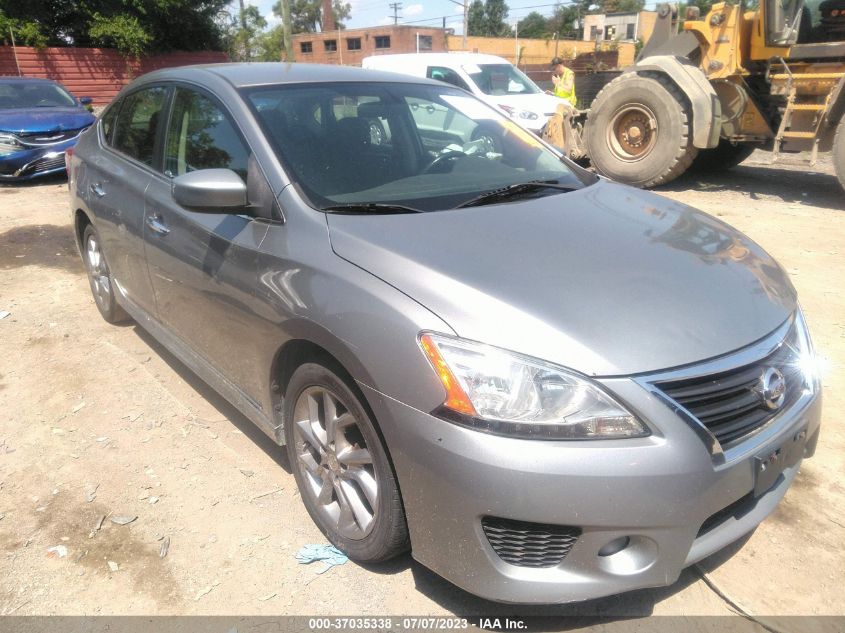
{"points": [[445, 59], [273, 73], [13, 79]]}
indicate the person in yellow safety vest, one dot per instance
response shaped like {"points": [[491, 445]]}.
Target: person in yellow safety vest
{"points": [[563, 79]]}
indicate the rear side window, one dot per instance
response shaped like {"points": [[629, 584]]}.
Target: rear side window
{"points": [[201, 136], [137, 123], [107, 124]]}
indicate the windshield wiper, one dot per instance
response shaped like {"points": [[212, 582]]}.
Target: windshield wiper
{"points": [[505, 193], [370, 208]]}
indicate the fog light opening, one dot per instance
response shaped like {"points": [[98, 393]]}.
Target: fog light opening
{"points": [[614, 546]]}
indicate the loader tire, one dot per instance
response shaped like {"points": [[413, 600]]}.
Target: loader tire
{"points": [[725, 155], [638, 130], [839, 152]]}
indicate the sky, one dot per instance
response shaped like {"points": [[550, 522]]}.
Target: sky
{"points": [[424, 13]]}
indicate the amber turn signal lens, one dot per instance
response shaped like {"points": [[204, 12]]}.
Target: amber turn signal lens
{"points": [[456, 399]]}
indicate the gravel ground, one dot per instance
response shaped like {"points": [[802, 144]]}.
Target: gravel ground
{"points": [[101, 422]]}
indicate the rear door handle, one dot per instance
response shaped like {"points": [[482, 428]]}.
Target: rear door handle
{"points": [[157, 225], [97, 189]]}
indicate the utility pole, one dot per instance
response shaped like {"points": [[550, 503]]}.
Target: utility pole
{"points": [[396, 6], [465, 5], [286, 34]]}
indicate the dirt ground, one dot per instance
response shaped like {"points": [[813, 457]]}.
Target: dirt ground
{"points": [[100, 421]]}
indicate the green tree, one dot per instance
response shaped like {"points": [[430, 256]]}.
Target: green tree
{"points": [[134, 25], [244, 31], [534, 25], [622, 6], [488, 18], [306, 15], [565, 21], [25, 32], [475, 18], [269, 45]]}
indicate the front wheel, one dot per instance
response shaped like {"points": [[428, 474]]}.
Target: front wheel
{"points": [[839, 152], [638, 131], [341, 467]]}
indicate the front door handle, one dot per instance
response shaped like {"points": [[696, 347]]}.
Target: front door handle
{"points": [[157, 225], [97, 189]]}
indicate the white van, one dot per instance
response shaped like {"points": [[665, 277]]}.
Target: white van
{"points": [[492, 79]]}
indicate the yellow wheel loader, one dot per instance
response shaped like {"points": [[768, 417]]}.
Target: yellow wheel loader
{"points": [[729, 82]]}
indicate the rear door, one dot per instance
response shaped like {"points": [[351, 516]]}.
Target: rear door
{"points": [[204, 265], [117, 181]]}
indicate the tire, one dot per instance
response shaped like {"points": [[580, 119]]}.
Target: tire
{"points": [[839, 152], [626, 106], [725, 155], [349, 478], [99, 277]]}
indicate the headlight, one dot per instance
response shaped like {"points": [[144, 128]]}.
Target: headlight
{"points": [[503, 393], [806, 356], [9, 144]]}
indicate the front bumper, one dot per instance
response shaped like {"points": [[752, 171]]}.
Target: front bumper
{"points": [[34, 161], [657, 491]]}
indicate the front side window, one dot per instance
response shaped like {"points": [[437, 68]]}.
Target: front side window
{"points": [[423, 146], [201, 136], [137, 123], [382, 41], [34, 94], [783, 19], [448, 75], [500, 79]]}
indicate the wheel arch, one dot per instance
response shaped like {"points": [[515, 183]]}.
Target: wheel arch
{"points": [[310, 342], [80, 221], [706, 110]]}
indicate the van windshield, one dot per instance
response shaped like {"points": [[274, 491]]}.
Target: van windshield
{"points": [[500, 79], [421, 146]]}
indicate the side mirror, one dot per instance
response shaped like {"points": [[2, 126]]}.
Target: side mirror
{"points": [[86, 100], [210, 191]]}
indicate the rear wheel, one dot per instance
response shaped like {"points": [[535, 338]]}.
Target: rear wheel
{"points": [[725, 155], [341, 467], [638, 131], [839, 152], [99, 277]]}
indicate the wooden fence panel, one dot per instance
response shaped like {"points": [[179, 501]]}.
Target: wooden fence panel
{"points": [[93, 72]]}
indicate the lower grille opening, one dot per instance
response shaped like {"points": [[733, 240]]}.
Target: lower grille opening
{"points": [[529, 544], [736, 510]]}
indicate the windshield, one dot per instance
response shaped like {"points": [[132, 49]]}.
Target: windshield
{"points": [[24, 94], [419, 146], [500, 79]]}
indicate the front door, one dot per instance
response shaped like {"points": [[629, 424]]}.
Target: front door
{"points": [[204, 265]]}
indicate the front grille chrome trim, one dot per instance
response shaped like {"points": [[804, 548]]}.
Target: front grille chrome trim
{"points": [[754, 353]]}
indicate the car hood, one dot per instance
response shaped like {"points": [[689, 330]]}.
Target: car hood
{"points": [[607, 280], [24, 120], [539, 103]]}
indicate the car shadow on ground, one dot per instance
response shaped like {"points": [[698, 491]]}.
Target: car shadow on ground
{"points": [[43, 245], [223, 406], [811, 188]]}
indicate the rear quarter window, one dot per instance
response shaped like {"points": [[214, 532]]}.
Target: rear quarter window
{"points": [[137, 123]]}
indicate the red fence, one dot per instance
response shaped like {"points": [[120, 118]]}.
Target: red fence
{"points": [[93, 72]]}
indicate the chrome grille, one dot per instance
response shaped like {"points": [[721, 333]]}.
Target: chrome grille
{"points": [[529, 544], [730, 403], [47, 138], [48, 163]]}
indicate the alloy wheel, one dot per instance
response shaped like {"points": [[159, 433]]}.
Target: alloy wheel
{"points": [[335, 462], [98, 272]]}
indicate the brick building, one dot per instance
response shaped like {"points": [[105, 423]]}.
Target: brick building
{"points": [[350, 46]]}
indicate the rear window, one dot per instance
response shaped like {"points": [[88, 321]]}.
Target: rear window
{"points": [[137, 123]]}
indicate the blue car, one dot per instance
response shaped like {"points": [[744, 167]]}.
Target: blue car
{"points": [[39, 120]]}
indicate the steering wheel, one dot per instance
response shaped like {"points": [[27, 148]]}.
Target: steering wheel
{"points": [[442, 160]]}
